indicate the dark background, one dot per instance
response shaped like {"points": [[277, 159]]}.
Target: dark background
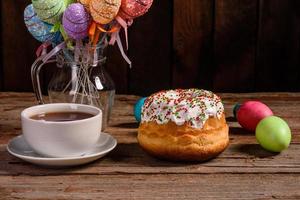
{"points": [[221, 45]]}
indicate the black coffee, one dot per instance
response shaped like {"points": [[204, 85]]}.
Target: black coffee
{"points": [[62, 116]]}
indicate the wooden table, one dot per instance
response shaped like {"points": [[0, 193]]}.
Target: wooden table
{"points": [[243, 171]]}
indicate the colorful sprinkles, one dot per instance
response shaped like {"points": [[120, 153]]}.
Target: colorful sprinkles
{"points": [[192, 106]]}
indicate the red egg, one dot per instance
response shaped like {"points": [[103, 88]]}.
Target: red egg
{"points": [[250, 114], [131, 9]]}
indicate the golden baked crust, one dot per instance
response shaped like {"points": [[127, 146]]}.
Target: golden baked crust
{"points": [[185, 143]]}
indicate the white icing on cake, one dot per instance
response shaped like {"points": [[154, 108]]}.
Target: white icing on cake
{"points": [[191, 106]]}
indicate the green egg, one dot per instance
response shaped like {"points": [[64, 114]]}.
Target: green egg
{"points": [[45, 4], [53, 14], [68, 2], [273, 134]]}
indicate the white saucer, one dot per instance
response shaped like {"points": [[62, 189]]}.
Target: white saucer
{"points": [[19, 148]]}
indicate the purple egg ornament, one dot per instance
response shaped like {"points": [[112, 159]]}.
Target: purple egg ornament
{"points": [[76, 21]]}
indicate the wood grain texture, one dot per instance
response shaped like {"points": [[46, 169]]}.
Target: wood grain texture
{"points": [[130, 159], [150, 50], [170, 186], [1, 47], [235, 42], [117, 68], [18, 46], [192, 43], [278, 50]]}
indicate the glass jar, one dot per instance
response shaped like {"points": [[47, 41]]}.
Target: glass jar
{"points": [[80, 77], [106, 89]]}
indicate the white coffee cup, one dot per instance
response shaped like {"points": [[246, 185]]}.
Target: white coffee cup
{"points": [[61, 139]]}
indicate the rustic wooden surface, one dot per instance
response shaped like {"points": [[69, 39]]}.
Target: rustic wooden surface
{"points": [[243, 171], [221, 45]]}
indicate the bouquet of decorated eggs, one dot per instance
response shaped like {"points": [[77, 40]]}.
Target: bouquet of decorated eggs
{"points": [[82, 21]]}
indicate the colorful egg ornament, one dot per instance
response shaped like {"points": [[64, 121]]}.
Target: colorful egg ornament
{"points": [[273, 134], [85, 3], [50, 11], [138, 109], [251, 112], [68, 2], [38, 29], [131, 9], [76, 21], [104, 11]]}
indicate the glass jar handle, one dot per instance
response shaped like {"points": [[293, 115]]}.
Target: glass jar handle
{"points": [[36, 68], [35, 78]]}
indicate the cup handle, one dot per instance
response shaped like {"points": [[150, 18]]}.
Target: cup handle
{"points": [[35, 78]]}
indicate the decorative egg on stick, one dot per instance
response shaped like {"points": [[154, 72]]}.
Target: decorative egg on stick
{"points": [[76, 21], [68, 2], [85, 3], [50, 11], [38, 29], [251, 112], [104, 11], [131, 9]]}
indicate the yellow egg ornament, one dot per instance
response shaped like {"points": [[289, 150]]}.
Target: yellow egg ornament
{"points": [[104, 11]]}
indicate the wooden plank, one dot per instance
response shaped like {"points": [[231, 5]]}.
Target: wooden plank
{"points": [[150, 50], [278, 60], [117, 68], [192, 43], [169, 186], [235, 42], [18, 47], [247, 158], [1, 47]]}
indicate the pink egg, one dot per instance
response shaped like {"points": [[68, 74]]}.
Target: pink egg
{"points": [[251, 112], [131, 9]]}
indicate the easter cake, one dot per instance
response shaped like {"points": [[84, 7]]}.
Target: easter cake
{"points": [[184, 125]]}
